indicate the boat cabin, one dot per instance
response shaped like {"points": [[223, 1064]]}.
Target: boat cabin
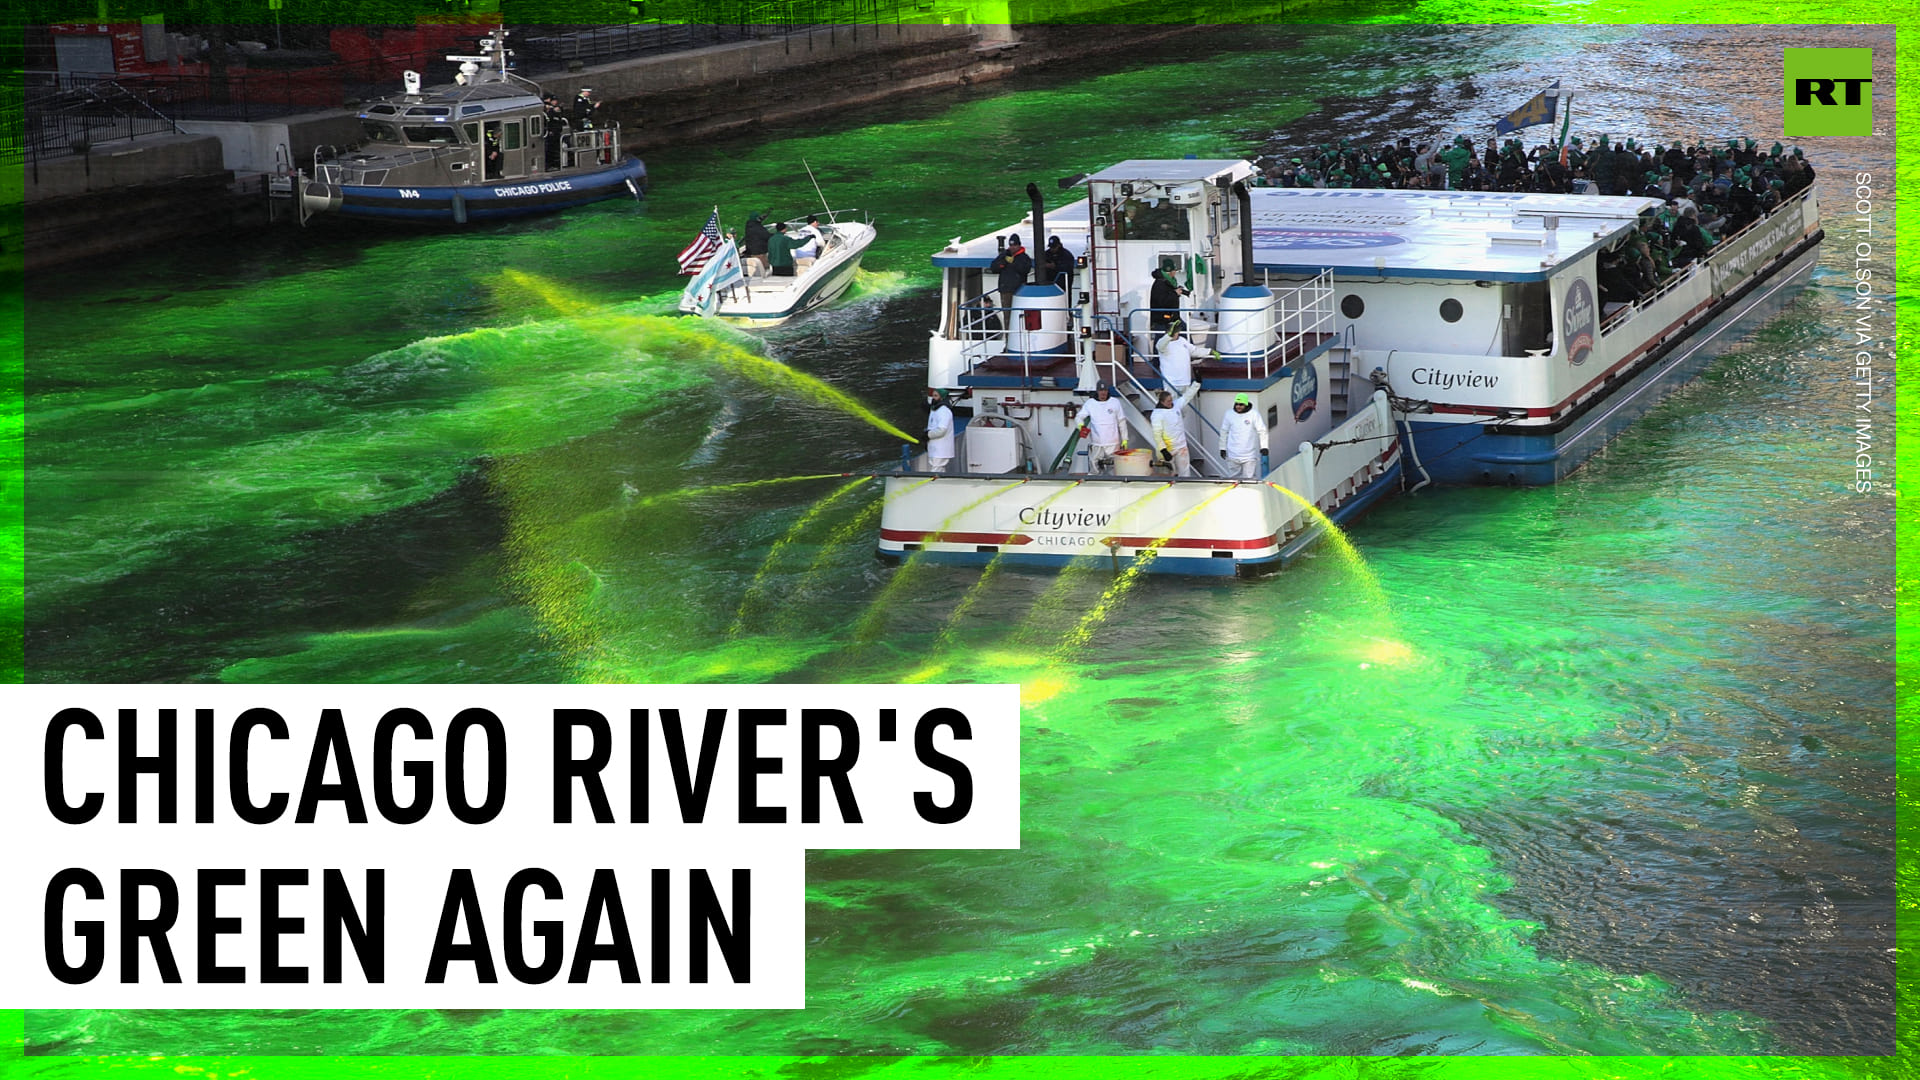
{"points": [[1182, 221], [1463, 272], [449, 135]]}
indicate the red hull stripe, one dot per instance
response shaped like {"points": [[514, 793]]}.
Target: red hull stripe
{"points": [[910, 536]]}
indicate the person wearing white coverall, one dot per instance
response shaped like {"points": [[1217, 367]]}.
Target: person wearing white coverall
{"points": [[1241, 434], [1103, 426], [1170, 431], [939, 432], [1176, 358]]}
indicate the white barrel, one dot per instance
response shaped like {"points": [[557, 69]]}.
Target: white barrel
{"points": [[1041, 323], [1246, 323]]}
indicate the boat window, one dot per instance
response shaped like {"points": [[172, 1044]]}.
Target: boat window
{"points": [[473, 133], [1352, 306], [1527, 318], [375, 131], [970, 316], [1139, 220], [510, 136], [383, 110], [536, 126], [425, 110], [1450, 309], [469, 110], [432, 136]]}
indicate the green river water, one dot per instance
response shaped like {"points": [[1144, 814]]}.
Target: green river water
{"points": [[1605, 768]]}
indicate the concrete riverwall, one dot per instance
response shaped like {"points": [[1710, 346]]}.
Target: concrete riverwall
{"points": [[735, 90], [263, 145]]}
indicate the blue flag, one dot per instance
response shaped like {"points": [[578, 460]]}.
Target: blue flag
{"points": [[722, 272], [1540, 110]]}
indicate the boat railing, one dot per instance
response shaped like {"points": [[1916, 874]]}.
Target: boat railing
{"points": [[981, 328], [1297, 319], [346, 172], [589, 146], [1125, 379], [1625, 314]]}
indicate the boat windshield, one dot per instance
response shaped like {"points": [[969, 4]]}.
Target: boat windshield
{"points": [[375, 131], [432, 136], [1157, 220]]}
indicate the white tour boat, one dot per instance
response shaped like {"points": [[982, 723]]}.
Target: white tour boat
{"points": [[1022, 487], [1469, 328]]}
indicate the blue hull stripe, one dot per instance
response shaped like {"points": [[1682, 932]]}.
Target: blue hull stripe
{"points": [[435, 204]]}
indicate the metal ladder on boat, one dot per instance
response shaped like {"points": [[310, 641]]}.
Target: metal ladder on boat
{"points": [[1105, 206]]}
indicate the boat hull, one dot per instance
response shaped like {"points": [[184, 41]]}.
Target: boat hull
{"points": [[1484, 453], [825, 290], [1204, 526], [472, 203]]}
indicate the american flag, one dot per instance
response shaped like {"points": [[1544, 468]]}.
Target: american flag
{"points": [[694, 258]]}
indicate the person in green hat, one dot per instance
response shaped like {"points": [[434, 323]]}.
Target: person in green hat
{"points": [[1241, 436]]}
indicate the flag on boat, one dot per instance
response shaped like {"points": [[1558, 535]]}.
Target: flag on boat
{"points": [[722, 272], [694, 258], [1540, 110]]}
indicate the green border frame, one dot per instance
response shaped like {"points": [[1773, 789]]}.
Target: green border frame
{"points": [[1905, 1062]]}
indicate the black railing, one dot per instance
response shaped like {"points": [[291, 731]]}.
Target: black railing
{"points": [[75, 114], [542, 49]]}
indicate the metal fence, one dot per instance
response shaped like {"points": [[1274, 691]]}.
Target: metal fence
{"points": [[243, 93], [77, 114]]}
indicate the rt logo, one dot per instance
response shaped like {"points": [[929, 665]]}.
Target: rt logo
{"points": [[1828, 92]]}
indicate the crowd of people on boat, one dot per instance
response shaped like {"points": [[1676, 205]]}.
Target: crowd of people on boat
{"points": [[780, 250], [1602, 166], [1710, 191], [584, 113]]}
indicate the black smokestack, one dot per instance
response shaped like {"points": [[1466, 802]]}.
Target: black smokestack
{"points": [[1245, 198], [1040, 276]]}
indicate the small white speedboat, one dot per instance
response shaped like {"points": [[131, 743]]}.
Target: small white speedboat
{"points": [[767, 300]]}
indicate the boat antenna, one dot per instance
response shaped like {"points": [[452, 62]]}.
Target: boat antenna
{"points": [[816, 190]]}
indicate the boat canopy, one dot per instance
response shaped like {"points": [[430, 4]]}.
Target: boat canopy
{"points": [[1476, 235]]}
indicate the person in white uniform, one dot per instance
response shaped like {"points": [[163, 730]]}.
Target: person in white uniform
{"points": [[1176, 358], [1241, 434], [1103, 426], [939, 431], [1170, 432]]}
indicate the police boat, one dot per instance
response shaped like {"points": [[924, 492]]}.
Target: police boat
{"points": [[479, 149], [1272, 436]]}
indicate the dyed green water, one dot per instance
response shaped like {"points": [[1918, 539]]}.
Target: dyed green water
{"points": [[1609, 770]]}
